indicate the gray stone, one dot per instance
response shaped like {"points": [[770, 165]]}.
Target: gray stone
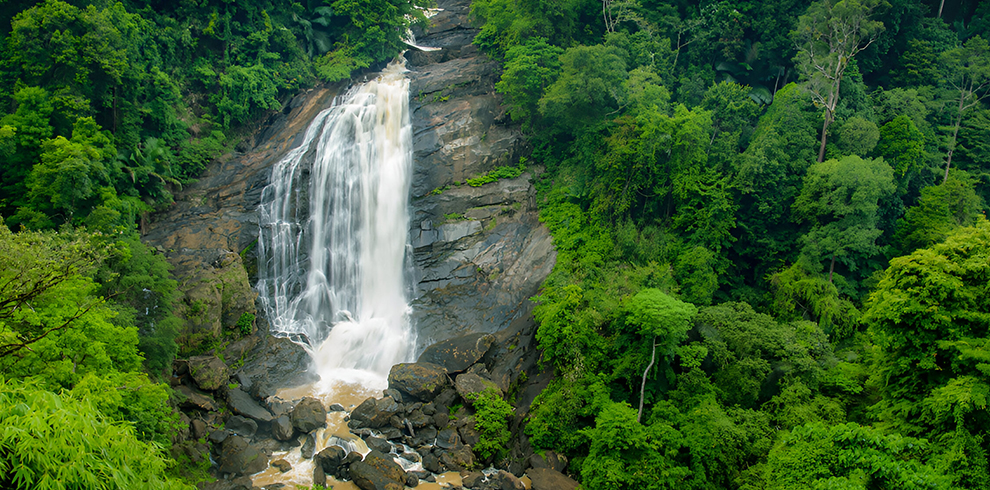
{"points": [[459, 353], [282, 429], [241, 403], [432, 463], [473, 479], [508, 481], [282, 465], [237, 457], [470, 385], [422, 380], [458, 458], [374, 412], [198, 428], [218, 436], [241, 426], [195, 400], [330, 459], [378, 444], [448, 439], [209, 372], [336, 407], [308, 415], [308, 447]]}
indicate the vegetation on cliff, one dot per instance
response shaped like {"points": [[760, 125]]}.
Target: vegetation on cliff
{"points": [[804, 182], [106, 109]]}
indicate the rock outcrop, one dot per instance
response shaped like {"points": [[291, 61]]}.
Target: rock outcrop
{"points": [[480, 252]]}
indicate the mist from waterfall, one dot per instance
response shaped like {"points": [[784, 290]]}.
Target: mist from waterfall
{"points": [[333, 238]]}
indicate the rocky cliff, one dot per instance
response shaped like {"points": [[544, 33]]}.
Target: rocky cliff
{"points": [[479, 252]]}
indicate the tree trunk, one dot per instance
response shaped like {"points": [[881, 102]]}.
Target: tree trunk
{"points": [[642, 387], [955, 134], [821, 149], [940, 5], [831, 269]]}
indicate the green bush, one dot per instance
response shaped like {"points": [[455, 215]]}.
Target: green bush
{"points": [[54, 442], [245, 322], [491, 414]]}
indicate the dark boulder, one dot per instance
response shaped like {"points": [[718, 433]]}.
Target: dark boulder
{"points": [[330, 459], [547, 479], [473, 479], [241, 426], [432, 463], [468, 432], [282, 465], [308, 415], [377, 472], [508, 481], [282, 429], [278, 363], [308, 447], [241, 403], [191, 399], [375, 412], [421, 380], [459, 353], [422, 437], [548, 459], [237, 457], [447, 439], [209, 372], [458, 458], [470, 385], [378, 444]]}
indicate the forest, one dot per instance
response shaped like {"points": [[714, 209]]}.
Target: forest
{"points": [[773, 265]]}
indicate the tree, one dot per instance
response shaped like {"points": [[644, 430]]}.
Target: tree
{"points": [[967, 71], [663, 319], [828, 36], [902, 146], [840, 200], [588, 88], [529, 69], [849, 456], [940, 211]]}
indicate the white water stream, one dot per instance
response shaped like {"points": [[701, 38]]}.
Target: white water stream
{"points": [[333, 246]]}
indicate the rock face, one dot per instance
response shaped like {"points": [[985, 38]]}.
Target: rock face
{"points": [[209, 372], [476, 273]]}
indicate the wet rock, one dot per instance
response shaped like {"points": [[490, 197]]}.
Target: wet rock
{"points": [[412, 480], [368, 478], [508, 481], [379, 444], [458, 458], [458, 354], [470, 385], [432, 463], [218, 436], [241, 403], [209, 372], [277, 406], [422, 380], [394, 394], [418, 419], [198, 429], [242, 483], [195, 400], [429, 409], [319, 477], [411, 456], [308, 415], [278, 363], [423, 437], [240, 458], [375, 412], [441, 419], [282, 465], [282, 429], [237, 352], [330, 459], [469, 434], [547, 479], [242, 426], [336, 407], [351, 458], [448, 439], [473, 479], [308, 447], [391, 433]]}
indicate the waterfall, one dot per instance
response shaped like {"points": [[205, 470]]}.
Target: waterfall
{"points": [[333, 239]]}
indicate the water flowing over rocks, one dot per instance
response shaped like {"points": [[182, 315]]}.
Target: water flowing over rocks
{"points": [[478, 255]]}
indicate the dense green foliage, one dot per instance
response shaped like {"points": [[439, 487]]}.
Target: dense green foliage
{"points": [[106, 109], [786, 179]]}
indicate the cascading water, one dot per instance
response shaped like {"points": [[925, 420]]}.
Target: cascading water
{"points": [[333, 238]]}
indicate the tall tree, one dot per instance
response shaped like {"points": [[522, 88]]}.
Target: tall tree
{"points": [[967, 71], [840, 198], [828, 36]]}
